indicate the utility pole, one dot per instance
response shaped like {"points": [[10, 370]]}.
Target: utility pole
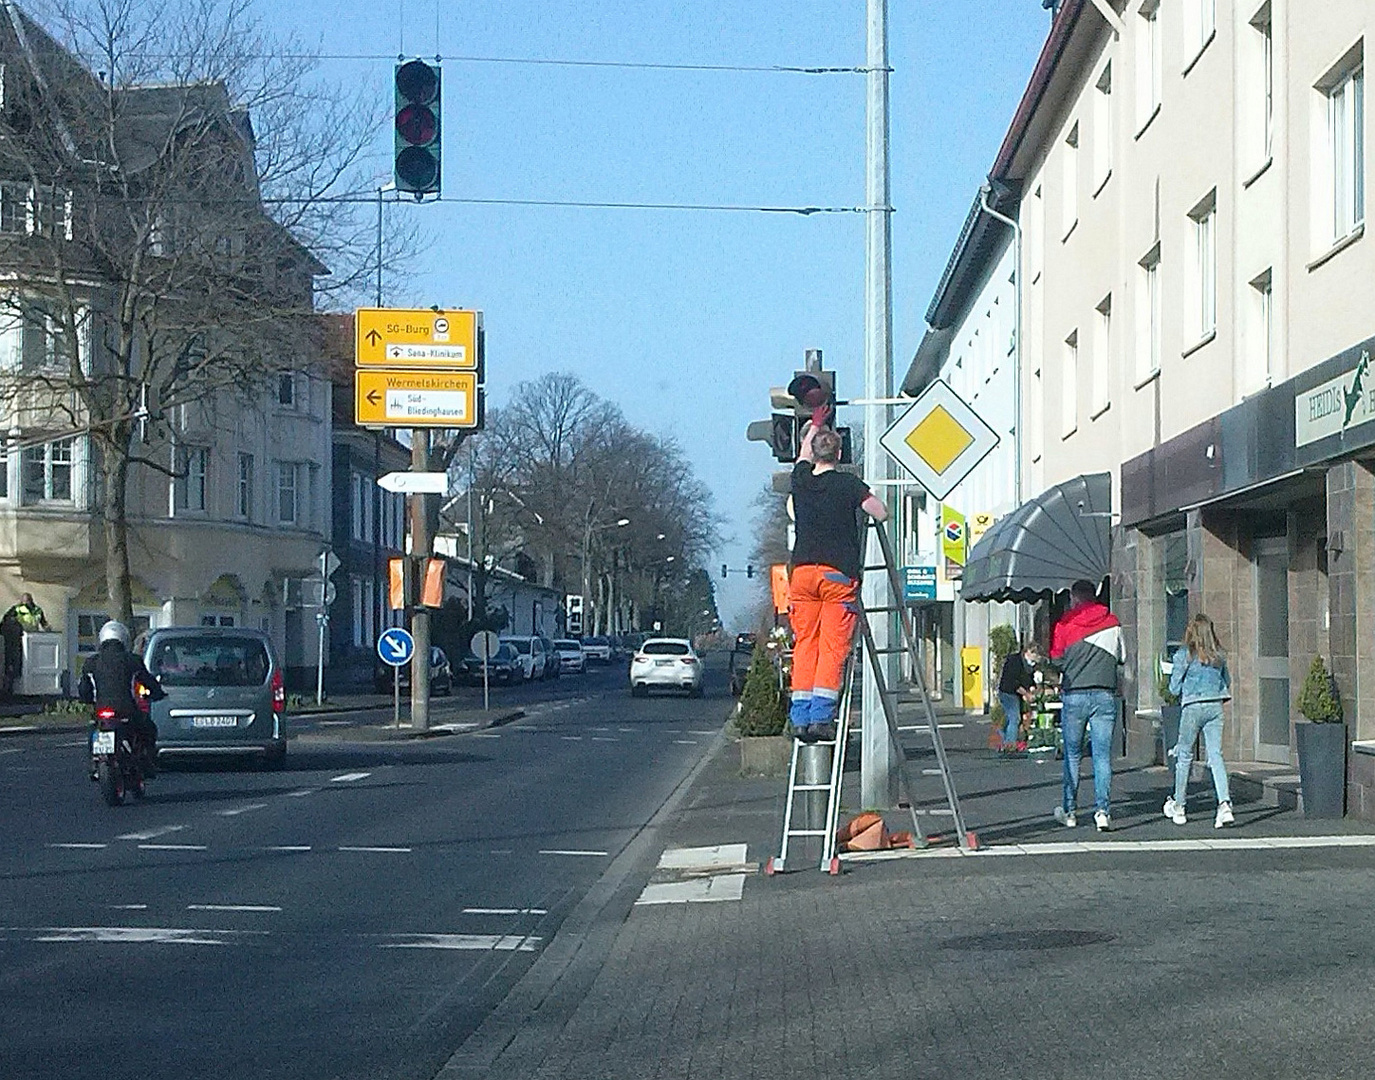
{"points": [[878, 786], [420, 616]]}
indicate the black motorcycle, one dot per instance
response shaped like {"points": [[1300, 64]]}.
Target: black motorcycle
{"points": [[116, 757]]}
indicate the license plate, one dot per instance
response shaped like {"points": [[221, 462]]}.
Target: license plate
{"points": [[214, 721], [102, 742], [662, 663]]}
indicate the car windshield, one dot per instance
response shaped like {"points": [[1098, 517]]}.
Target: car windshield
{"points": [[665, 648], [522, 647], [210, 661], [567, 646]]}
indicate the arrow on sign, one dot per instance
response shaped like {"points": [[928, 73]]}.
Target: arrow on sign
{"points": [[373, 337], [415, 483], [373, 396]]}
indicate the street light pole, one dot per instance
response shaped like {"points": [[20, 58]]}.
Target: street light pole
{"points": [[878, 788]]}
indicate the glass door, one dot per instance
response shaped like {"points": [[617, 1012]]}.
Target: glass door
{"points": [[1272, 649]]}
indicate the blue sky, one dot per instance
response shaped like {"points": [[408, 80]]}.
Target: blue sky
{"points": [[641, 303]]}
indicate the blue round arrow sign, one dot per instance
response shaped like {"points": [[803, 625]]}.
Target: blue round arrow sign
{"points": [[396, 646]]}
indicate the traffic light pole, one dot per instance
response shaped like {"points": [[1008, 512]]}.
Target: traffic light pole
{"points": [[420, 616], [878, 778]]}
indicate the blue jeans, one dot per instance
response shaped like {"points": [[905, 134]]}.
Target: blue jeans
{"points": [[1095, 710], [1012, 716], [1205, 716]]}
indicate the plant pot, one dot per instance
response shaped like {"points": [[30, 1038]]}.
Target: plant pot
{"points": [[1169, 730], [1322, 768], [765, 755]]}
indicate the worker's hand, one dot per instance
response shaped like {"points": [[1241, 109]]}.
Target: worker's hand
{"points": [[821, 416]]}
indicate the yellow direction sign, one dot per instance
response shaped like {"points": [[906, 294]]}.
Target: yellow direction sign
{"points": [[417, 338], [939, 439], [416, 399]]}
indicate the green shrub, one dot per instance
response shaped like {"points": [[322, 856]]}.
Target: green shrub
{"points": [[1002, 643], [763, 705], [1166, 697], [1318, 701], [66, 707]]}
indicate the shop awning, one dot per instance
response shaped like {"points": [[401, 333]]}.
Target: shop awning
{"points": [[1046, 544]]}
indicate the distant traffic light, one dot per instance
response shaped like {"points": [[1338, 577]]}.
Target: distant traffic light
{"points": [[749, 569], [785, 436], [416, 166], [725, 570]]}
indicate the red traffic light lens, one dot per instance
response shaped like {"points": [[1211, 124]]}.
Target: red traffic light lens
{"points": [[416, 81], [417, 125], [417, 169]]}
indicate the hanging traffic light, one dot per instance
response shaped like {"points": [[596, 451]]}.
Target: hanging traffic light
{"points": [[416, 163], [749, 570]]}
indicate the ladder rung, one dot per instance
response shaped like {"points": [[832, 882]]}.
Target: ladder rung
{"points": [[889, 652], [868, 609], [808, 832], [940, 811], [932, 772], [811, 787]]}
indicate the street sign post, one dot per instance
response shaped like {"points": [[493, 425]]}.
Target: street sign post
{"points": [[939, 440], [417, 337], [484, 645], [395, 646], [405, 398], [415, 483]]}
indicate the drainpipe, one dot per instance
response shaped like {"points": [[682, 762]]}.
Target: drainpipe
{"points": [[1016, 228]]}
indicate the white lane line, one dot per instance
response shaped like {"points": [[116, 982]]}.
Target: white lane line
{"points": [[605, 738], [394, 850], [711, 890], [16, 729], [237, 810], [233, 907], [574, 851], [630, 730], [301, 794], [333, 723], [599, 729], [349, 777], [79, 847], [151, 834], [158, 935], [571, 738], [288, 847], [684, 742], [695, 732], [12, 750], [171, 847], [76, 742], [129, 907], [466, 942], [486, 734], [504, 911]]}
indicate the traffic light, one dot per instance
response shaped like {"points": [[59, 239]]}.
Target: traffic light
{"points": [[724, 569], [749, 569], [416, 164], [785, 439]]}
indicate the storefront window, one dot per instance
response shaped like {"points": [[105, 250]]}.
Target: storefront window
{"points": [[1175, 580]]}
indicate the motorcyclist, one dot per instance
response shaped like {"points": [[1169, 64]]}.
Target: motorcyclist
{"points": [[117, 679]]}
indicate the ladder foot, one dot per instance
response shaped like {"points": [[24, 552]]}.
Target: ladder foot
{"points": [[773, 867], [834, 868], [971, 840]]}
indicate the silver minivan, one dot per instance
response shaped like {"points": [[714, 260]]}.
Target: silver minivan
{"points": [[225, 692]]}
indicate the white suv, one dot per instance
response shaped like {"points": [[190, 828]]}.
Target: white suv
{"points": [[530, 655]]}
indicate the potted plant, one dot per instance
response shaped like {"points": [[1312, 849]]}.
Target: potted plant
{"points": [[1322, 745], [762, 716], [1170, 711], [1002, 643]]}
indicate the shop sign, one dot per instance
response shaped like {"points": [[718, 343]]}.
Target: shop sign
{"points": [[978, 525], [918, 583], [1338, 404], [953, 536]]}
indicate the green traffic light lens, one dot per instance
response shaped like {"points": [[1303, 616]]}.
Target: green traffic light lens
{"points": [[417, 82], [417, 169]]}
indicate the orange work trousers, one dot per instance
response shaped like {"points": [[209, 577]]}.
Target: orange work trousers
{"points": [[823, 611]]}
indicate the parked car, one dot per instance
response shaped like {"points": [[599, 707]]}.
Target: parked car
{"points": [[225, 692], [738, 668], [665, 663], [552, 668], [502, 667], [598, 649], [441, 674], [530, 654], [571, 656], [745, 642]]}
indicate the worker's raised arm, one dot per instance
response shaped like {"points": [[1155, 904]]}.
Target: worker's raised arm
{"points": [[875, 507]]}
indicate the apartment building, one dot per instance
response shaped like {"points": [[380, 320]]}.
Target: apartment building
{"points": [[1196, 288]]}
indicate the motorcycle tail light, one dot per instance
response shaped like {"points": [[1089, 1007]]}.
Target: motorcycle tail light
{"points": [[278, 692], [105, 713]]}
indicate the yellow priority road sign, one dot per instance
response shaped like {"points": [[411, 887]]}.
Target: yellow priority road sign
{"points": [[939, 439], [417, 338], [408, 398]]}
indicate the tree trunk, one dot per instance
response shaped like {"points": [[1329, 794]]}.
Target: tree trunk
{"points": [[116, 526]]}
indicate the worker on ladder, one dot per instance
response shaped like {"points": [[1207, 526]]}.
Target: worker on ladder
{"points": [[824, 584]]}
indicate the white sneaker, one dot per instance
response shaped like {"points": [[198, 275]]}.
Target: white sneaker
{"points": [[1224, 816], [1065, 817], [1102, 820], [1175, 811]]}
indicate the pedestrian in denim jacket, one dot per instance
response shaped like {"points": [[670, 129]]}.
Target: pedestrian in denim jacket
{"points": [[1199, 678]]}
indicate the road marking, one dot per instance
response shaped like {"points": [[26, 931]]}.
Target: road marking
{"points": [[684, 742], [504, 911], [237, 810], [289, 847], [486, 734], [715, 857], [151, 834], [333, 723], [171, 847], [565, 851], [466, 942], [1108, 847], [599, 729], [76, 742], [14, 729], [134, 935], [301, 794], [12, 750], [129, 907], [605, 738], [349, 777], [693, 732], [571, 738], [709, 890], [395, 850], [232, 907], [79, 847], [627, 729]]}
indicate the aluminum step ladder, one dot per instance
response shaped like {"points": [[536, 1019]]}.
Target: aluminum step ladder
{"points": [[948, 816]]}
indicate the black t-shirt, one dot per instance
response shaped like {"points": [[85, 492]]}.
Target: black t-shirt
{"points": [[1016, 675], [826, 508]]}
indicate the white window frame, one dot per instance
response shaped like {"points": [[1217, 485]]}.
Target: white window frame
{"points": [[1148, 316], [243, 502], [1200, 27], [288, 479], [1103, 133], [1149, 64], [1036, 235], [1069, 387], [1346, 151], [287, 391], [1203, 269], [1069, 181], [1102, 357], [56, 456], [1260, 333], [1260, 76], [191, 489]]}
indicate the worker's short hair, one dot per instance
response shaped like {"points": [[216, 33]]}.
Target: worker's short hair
{"points": [[826, 446]]}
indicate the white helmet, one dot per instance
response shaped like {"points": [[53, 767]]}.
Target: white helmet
{"points": [[114, 631]]}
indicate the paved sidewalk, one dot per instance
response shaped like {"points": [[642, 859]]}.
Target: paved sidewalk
{"points": [[1146, 963]]}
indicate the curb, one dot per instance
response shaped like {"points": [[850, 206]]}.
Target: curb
{"points": [[63, 727], [387, 733]]}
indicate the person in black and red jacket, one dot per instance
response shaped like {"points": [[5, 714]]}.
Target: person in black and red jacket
{"points": [[1086, 646]]}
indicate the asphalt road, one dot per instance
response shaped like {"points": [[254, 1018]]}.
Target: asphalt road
{"points": [[354, 915]]}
